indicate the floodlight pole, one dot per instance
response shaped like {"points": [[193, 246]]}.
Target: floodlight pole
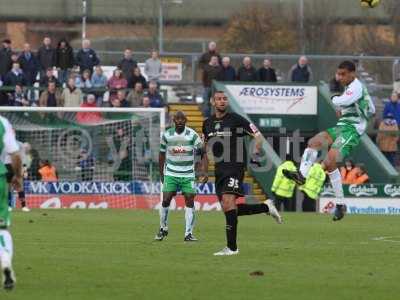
{"points": [[160, 26], [301, 23], [84, 16]]}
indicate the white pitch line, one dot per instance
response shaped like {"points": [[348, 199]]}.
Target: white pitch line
{"points": [[386, 239]]}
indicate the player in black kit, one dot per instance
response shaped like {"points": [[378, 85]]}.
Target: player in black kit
{"points": [[224, 134]]}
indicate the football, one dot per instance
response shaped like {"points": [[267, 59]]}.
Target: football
{"points": [[370, 3]]}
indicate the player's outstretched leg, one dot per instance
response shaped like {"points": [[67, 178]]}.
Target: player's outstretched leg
{"points": [[189, 218], [164, 211], [6, 253], [267, 207]]}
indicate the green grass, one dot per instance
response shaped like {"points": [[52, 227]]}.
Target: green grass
{"points": [[110, 254]]}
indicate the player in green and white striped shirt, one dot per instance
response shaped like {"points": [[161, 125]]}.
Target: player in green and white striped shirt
{"points": [[354, 108], [178, 149]]}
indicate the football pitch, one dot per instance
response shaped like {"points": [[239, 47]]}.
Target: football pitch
{"points": [[110, 254]]}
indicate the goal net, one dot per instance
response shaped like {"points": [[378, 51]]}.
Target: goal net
{"points": [[105, 158]]}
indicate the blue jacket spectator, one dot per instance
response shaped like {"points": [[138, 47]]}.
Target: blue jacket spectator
{"points": [[156, 100], [29, 64], [393, 107], [15, 76], [301, 72], [228, 73], [86, 58], [46, 55], [18, 97]]}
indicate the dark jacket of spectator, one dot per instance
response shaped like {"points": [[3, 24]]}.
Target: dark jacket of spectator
{"points": [[133, 79], [266, 75], [127, 66], [13, 78], [210, 73], [87, 59], [64, 56], [206, 57], [46, 57], [118, 103], [300, 74], [5, 61], [227, 74], [18, 98], [30, 66], [247, 74]]}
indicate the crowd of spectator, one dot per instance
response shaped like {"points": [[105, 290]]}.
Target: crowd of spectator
{"points": [[216, 67], [60, 76]]}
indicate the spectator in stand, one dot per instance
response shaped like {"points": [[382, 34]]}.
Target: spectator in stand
{"points": [[146, 101], [388, 137], [135, 96], [71, 95], [29, 64], [86, 58], [86, 165], [64, 60], [153, 67], [127, 64], [353, 174], [86, 82], [247, 72], [18, 97], [346, 168], [51, 97], [5, 58], [393, 107], [396, 76], [99, 83], [136, 77], [15, 76], [210, 72], [266, 73], [206, 57], [46, 56], [156, 100], [90, 117], [47, 171], [116, 83], [49, 76], [301, 72], [119, 100], [228, 73]]}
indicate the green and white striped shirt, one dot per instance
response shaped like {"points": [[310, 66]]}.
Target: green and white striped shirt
{"points": [[180, 151], [355, 105]]}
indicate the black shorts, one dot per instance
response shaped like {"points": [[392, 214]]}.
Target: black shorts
{"points": [[10, 173], [229, 180]]}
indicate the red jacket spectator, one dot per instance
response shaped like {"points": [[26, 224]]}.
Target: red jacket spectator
{"points": [[90, 117]]}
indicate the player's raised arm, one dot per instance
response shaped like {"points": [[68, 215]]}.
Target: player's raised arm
{"points": [[352, 93], [252, 131]]}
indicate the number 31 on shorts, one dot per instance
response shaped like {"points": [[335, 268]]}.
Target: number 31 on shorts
{"points": [[233, 183]]}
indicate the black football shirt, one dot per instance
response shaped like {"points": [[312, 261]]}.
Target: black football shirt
{"points": [[226, 138]]}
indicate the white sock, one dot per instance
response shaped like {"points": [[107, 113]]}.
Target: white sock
{"points": [[336, 181], [164, 217], [6, 249], [189, 220], [307, 160]]}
